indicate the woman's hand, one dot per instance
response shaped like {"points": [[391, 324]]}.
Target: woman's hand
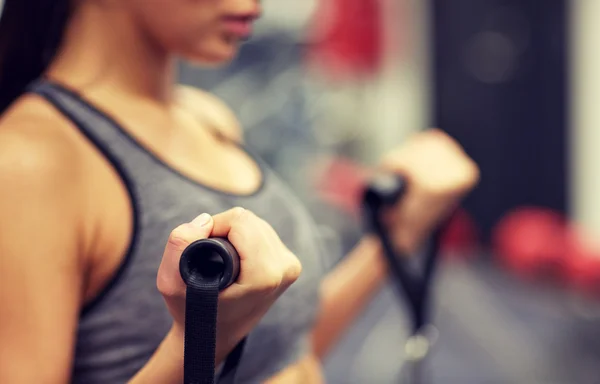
{"points": [[439, 174], [267, 269]]}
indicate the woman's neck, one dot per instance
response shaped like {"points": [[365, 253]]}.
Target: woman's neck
{"points": [[104, 48]]}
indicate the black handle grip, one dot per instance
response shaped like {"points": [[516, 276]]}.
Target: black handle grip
{"points": [[384, 190], [210, 259]]}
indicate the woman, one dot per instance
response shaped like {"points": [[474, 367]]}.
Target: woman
{"points": [[102, 155]]}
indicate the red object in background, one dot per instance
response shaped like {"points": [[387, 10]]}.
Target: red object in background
{"points": [[460, 238], [342, 184], [531, 241], [582, 263], [348, 37]]}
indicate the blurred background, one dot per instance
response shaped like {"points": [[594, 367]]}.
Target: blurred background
{"points": [[324, 87]]}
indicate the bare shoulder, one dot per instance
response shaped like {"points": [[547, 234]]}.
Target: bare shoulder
{"points": [[35, 147], [209, 107], [41, 242]]}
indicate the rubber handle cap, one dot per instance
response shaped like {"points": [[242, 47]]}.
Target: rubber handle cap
{"points": [[210, 259]]}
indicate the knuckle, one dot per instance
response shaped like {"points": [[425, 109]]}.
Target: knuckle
{"points": [[291, 267], [248, 215], [236, 237], [249, 227], [469, 176], [475, 172], [237, 212], [444, 136], [165, 286], [271, 282], [294, 269], [243, 215], [239, 224], [179, 238]]}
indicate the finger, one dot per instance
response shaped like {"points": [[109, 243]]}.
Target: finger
{"points": [[283, 263], [245, 232], [267, 230], [223, 222], [179, 239], [293, 267], [244, 226], [185, 234]]}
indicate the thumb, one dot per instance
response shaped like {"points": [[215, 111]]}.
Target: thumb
{"points": [[185, 234], [169, 278]]}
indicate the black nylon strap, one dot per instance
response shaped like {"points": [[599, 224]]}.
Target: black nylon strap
{"points": [[231, 364], [200, 331], [200, 339], [205, 278], [384, 191]]}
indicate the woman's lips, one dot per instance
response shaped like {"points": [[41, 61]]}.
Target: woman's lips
{"points": [[240, 26]]}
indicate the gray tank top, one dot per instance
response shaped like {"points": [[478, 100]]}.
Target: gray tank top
{"points": [[119, 331]]}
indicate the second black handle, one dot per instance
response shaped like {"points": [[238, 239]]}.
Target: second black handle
{"points": [[384, 190]]}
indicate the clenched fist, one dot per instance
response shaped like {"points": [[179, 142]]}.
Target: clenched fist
{"points": [[267, 269], [439, 174]]}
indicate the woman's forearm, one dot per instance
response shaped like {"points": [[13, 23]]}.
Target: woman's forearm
{"points": [[346, 291], [166, 365]]}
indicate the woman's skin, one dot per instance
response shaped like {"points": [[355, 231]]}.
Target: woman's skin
{"points": [[121, 55]]}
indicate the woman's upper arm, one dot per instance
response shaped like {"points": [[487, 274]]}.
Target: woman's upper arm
{"points": [[40, 267]]}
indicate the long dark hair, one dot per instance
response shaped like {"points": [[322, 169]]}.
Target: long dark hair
{"points": [[30, 34]]}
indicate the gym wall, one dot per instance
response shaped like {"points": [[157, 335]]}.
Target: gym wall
{"points": [[500, 75]]}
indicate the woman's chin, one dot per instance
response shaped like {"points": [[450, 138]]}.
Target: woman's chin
{"points": [[214, 58]]}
